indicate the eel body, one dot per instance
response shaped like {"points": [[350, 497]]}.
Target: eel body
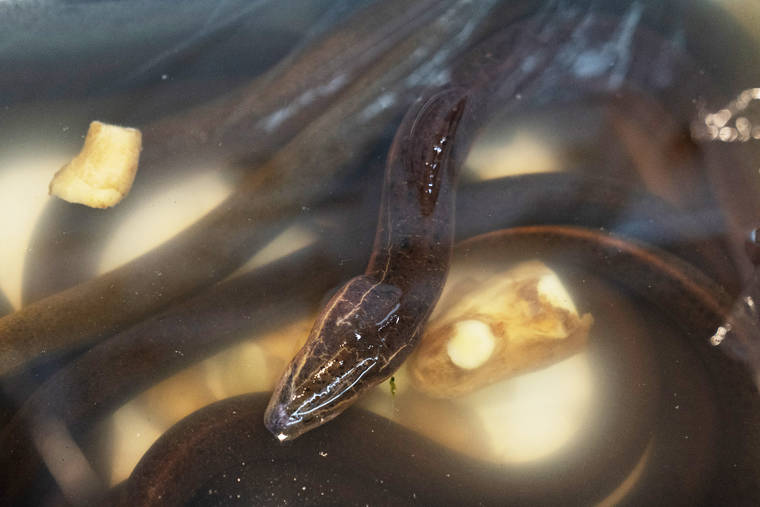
{"points": [[372, 323], [361, 457]]}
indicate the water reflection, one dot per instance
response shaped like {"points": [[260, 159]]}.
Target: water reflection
{"points": [[166, 210], [716, 127], [524, 152]]}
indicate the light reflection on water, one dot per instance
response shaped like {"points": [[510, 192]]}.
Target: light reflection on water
{"points": [[167, 210], [534, 415]]}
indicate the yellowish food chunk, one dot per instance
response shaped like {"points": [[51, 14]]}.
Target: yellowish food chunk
{"points": [[102, 173], [488, 328]]}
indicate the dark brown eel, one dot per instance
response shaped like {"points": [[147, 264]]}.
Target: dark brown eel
{"points": [[361, 457], [337, 129], [374, 321], [108, 375], [372, 324]]}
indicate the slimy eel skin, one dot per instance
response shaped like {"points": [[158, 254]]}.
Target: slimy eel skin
{"points": [[374, 321], [369, 327]]}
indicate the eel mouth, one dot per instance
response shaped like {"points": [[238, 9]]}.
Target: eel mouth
{"points": [[297, 407]]}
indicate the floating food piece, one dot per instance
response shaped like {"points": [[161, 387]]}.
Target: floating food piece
{"points": [[102, 173], [485, 330]]}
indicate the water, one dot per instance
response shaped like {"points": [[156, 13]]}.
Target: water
{"points": [[647, 411]]}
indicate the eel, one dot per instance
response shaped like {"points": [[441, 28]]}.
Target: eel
{"points": [[93, 385], [43, 398], [373, 322], [300, 88], [388, 463], [304, 171]]}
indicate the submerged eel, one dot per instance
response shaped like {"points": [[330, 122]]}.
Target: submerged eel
{"points": [[362, 457], [371, 325], [373, 322], [381, 449], [341, 124]]}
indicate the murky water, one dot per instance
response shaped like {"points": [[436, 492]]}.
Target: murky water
{"points": [[257, 197]]}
